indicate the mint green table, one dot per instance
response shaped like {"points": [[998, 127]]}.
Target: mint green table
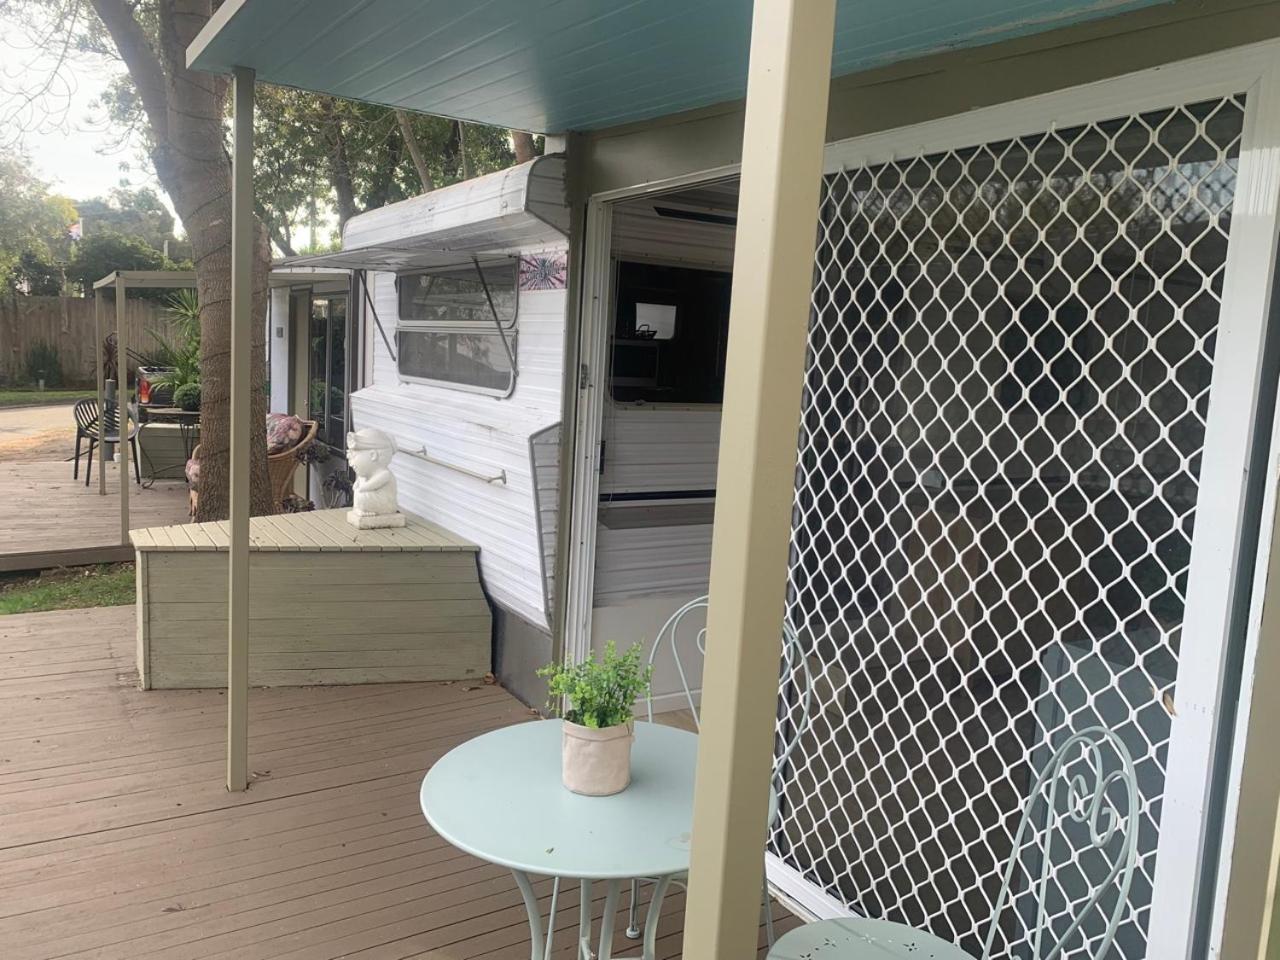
{"points": [[499, 797]]}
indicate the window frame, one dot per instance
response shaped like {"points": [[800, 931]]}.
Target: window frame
{"points": [[508, 330], [323, 420]]}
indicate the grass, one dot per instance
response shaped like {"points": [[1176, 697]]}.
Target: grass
{"points": [[29, 396], [69, 588]]}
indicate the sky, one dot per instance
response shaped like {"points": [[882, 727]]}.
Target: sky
{"points": [[55, 121]]}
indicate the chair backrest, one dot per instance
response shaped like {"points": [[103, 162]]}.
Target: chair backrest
{"points": [[86, 414], [679, 633], [1075, 849]]}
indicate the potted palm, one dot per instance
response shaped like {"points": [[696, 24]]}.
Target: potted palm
{"points": [[596, 699]]}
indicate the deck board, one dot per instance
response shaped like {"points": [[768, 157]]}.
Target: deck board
{"points": [[118, 840], [49, 519]]}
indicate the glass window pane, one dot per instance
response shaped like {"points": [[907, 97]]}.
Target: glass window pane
{"points": [[473, 359], [458, 296]]}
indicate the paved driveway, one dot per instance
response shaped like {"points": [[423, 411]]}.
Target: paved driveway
{"points": [[37, 433]]}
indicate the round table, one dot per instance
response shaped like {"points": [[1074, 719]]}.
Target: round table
{"points": [[499, 798]]}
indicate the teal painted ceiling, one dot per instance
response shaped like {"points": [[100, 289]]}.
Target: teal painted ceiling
{"points": [[558, 65]]}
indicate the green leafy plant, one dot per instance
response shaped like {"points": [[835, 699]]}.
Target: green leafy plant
{"points": [[44, 363], [187, 396], [598, 694], [178, 358]]}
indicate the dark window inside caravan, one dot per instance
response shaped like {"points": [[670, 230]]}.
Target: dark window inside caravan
{"points": [[327, 381], [458, 326], [670, 334]]}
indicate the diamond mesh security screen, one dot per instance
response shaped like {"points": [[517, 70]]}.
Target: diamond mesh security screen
{"points": [[1008, 378]]}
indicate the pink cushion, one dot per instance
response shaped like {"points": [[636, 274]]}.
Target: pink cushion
{"points": [[193, 471], [284, 430]]}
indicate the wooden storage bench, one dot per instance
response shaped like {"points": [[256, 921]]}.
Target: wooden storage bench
{"points": [[328, 603]]}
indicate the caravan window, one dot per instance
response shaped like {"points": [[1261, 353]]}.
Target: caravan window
{"points": [[448, 332], [670, 334]]}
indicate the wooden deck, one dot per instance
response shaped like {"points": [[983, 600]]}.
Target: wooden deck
{"points": [[50, 520], [117, 839]]}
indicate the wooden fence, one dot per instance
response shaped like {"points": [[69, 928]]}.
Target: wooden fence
{"points": [[66, 323]]}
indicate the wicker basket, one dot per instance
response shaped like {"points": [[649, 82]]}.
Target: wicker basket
{"points": [[280, 466]]}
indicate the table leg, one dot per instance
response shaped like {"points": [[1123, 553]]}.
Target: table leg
{"points": [[651, 922], [535, 916], [584, 920], [608, 918]]}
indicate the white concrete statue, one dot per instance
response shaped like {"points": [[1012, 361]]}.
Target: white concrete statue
{"points": [[374, 506]]}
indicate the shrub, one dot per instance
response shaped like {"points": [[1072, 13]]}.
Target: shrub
{"points": [[598, 695], [44, 363], [187, 396]]}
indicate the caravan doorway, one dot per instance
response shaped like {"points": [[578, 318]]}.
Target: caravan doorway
{"points": [[671, 261], [1018, 386]]}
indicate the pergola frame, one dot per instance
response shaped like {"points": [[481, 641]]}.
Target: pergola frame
{"points": [[121, 281]]}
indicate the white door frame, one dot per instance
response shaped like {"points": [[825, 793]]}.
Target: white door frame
{"points": [[1220, 540]]}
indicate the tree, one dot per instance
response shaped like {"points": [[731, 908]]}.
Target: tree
{"points": [[98, 254], [181, 116], [132, 213], [312, 148], [33, 223]]}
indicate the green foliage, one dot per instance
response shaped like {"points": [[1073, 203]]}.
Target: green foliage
{"points": [[96, 256], [37, 275], [178, 357], [32, 220], [183, 308], [139, 214], [598, 694], [44, 363], [187, 396], [10, 397]]}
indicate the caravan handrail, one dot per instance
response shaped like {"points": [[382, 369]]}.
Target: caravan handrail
{"points": [[422, 454]]}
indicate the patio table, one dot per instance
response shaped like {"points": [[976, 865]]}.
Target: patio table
{"points": [[499, 797]]}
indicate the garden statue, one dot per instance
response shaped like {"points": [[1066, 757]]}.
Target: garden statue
{"points": [[374, 506]]}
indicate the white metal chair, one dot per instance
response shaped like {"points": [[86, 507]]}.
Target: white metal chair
{"points": [[1090, 829], [673, 635]]}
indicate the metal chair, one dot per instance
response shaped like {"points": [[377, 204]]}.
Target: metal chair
{"points": [[672, 637], [87, 428], [1081, 816]]}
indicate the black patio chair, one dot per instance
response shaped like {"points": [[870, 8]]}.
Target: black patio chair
{"points": [[86, 414]]}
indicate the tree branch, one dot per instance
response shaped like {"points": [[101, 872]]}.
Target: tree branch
{"points": [[141, 60], [415, 151]]}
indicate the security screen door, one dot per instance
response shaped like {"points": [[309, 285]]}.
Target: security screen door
{"points": [[1005, 425]]}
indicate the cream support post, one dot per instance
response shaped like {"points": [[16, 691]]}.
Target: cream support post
{"points": [[97, 336], [241, 411], [122, 413], [790, 73]]}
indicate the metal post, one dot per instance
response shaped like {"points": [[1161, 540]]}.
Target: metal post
{"points": [[241, 410], [102, 400], [787, 85], [122, 410]]}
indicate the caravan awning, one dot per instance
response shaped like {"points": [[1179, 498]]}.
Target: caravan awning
{"points": [[518, 209], [575, 64]]}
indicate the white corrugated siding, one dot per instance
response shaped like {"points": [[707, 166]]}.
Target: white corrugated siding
{"points": [[482, 434]]}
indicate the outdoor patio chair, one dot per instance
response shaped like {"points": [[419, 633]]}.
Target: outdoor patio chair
{"points": [[86, 415], [674, 635], [1072, 863], [282, 460]]}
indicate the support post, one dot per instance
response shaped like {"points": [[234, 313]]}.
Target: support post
{"points": [[241, 410], [122, 412], [787, 86], [102, 400]]}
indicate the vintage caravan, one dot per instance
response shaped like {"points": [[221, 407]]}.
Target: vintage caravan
{"points": [[1036, 477]]}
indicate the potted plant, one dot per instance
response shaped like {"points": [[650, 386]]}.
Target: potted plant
{"points": [[596, 699]]}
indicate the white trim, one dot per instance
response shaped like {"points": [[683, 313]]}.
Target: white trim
{"points": [[798, 894], [1255, 230], [591, 391]]}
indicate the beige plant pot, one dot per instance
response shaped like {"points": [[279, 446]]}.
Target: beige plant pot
{"points": [[596, 763]]}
